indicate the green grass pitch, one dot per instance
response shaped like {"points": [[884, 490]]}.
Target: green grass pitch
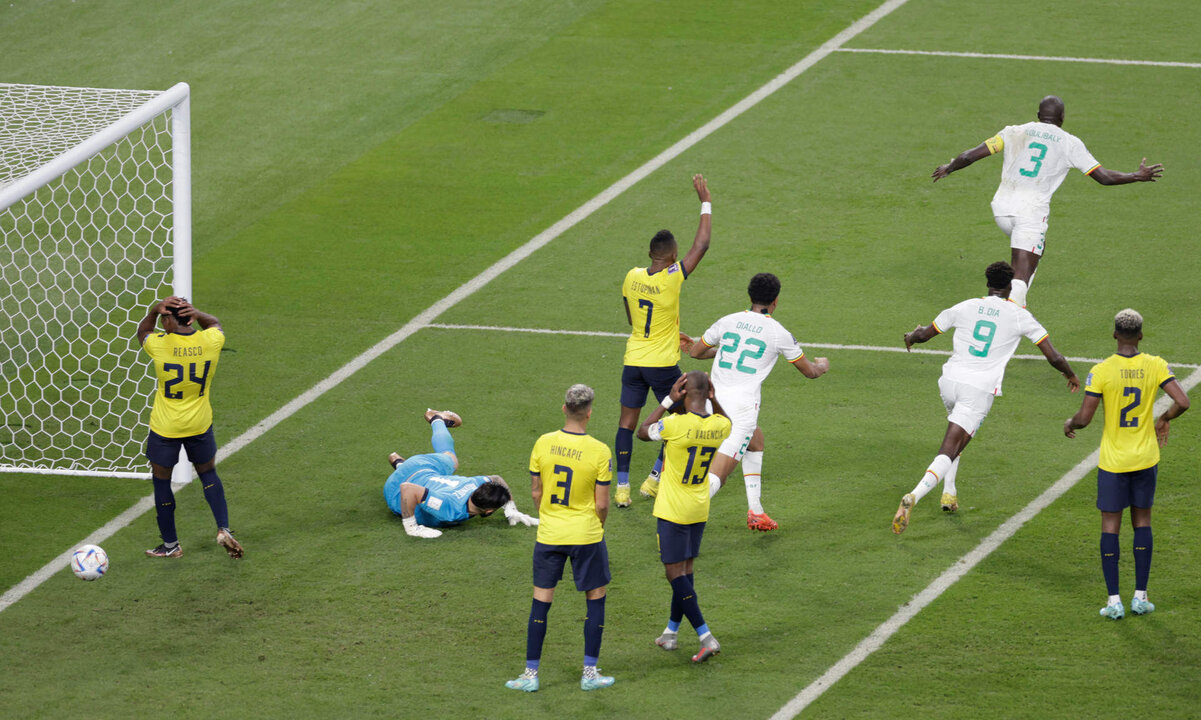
{"points": [[355, 163]]}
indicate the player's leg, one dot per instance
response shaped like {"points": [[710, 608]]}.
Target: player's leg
{"points": [[1113, 496], [548, 569], [440, 438], [163, 453], [1143, 496], [752, 474], [950, 496], [634, 388], [1026, 247], [202, 452], [661, 381], [590, 568]]}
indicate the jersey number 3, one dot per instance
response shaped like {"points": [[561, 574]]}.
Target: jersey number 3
{"points": [[1037, 159], [201, 380]]}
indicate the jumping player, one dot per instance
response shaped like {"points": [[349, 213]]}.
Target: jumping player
{"points": [[1127, 382], [1038, 156], [987, 332], [652, 302]]}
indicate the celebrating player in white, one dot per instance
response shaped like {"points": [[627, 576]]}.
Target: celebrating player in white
{"points": [[1038, 156], [987, 332], [744, 347]]}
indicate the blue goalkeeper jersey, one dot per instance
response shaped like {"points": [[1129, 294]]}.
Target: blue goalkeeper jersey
{"points": [[446, 498]]}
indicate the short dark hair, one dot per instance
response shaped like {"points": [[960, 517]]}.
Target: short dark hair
{"points": [[663, 243], [1128, 323], [999, 275], [490, 496], [764, 289]]}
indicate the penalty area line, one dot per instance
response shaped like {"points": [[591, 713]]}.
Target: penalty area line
{"points": [[468, 288], [953, 574]]}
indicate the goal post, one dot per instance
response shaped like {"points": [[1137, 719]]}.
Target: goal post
{"points": [[95, 217]]}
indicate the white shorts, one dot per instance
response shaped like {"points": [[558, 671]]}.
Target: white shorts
{"points": [[1024, 233], [744, 416], [967, 406]]}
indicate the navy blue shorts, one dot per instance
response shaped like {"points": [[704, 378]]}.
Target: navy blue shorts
{"points": [[165, 451], [635, 381], [678, 543], [589, 565], [1118, 491]]}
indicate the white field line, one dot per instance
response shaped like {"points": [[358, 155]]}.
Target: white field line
{"points": [[824, 346], [465, 290], [951, 575], [1003, 56]]}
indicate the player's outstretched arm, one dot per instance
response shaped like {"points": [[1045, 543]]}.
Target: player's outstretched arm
{"points": [[700, 244], [812, 370], [1180, 403], [701, 351], [962, 160], [1060, 363], [1083, 416], [1145, 173], [920, 334], [512, 514]]}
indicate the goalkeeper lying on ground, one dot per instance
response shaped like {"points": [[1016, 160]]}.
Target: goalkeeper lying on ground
{"points": [[422, 491]]}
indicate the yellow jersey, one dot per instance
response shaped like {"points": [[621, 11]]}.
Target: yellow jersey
{"points": [[654, 304], [690, 440], [1127, 387], [185, 366], [571, 465]]}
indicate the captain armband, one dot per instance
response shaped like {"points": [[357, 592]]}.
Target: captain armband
{"points": [[995, 144]]}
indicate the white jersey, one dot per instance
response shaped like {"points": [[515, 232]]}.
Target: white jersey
{"points": [[1037, 159], [987, 332], [748, 344]]}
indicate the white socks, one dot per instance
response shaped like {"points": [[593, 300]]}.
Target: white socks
{"points": [[752, 474], [948, 482], [1017, 291], [936, 472], [1140, 595]]}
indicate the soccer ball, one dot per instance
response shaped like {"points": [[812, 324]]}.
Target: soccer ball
{"points": [[89, 562]]}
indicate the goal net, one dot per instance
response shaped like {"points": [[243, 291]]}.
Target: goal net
{"points": [[95, 216]]}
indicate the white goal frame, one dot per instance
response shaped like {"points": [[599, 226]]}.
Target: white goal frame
{"points": [[175, 100]]}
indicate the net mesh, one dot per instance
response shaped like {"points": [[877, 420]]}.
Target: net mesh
{"points": [[82, 259]]}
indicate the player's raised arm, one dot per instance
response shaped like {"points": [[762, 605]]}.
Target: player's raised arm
{"points": [[160, 307], [203, 319], [673, 397], [1145, 173], [1060, 363], [700, 244], [967, 157]]}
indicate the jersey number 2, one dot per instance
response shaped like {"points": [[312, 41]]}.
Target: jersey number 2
{"points": [[176, 368], [1036, 159], [1131, 422], [747, 354]]}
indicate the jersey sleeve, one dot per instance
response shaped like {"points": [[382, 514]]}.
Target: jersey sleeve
{"points": [[1163, 373], [536, 457], [625, 283], [995, 144], [214, 339], [1031, 327], [1081, 158], [727, 426], [604, 467], [1094, 382], [712, 335], [676, 272], [946, 319], [153, 344], [788, 347]]}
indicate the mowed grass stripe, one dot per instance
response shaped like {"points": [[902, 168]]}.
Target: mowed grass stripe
{"points": [[471, 286], [953, 574]]}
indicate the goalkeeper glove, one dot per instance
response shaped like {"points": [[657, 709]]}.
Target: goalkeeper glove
{"points": [[421, 531], [514, 516]]}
